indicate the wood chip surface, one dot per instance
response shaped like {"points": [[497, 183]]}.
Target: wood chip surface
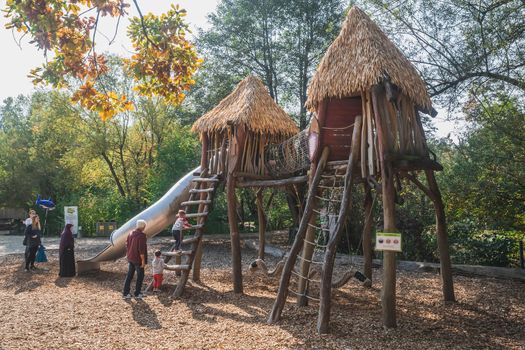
{"points": [[42, 311]]}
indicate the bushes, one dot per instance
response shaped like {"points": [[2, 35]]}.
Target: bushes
{"points": [[472, 245]]}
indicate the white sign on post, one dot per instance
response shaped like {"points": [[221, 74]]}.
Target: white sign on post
{"points": [[390, 241], [71, 217]]}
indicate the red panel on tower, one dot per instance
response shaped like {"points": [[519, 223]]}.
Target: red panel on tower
{"points": [[338, 126]]}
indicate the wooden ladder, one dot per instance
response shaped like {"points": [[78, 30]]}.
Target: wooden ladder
{"points": [[198, 206]]}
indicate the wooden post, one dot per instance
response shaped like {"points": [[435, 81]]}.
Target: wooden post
{"points": [[442, 238], [278, 305], [308, 251], [234, 235], [204, 151], [196, 269], [388, 292], [261, 218], [367, 232], [196, 277], [234, 160], [325, 301]]}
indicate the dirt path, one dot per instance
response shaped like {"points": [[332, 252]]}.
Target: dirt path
{"points": [[41, 311]]}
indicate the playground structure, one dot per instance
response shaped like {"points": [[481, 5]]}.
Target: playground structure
{"points": [[366, 98]]}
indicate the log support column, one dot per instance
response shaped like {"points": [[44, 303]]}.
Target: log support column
{"points": [[261, 217], [388, 292], [234, 160], [442, 238], [307, 253], [367, 232], [196, 269]]}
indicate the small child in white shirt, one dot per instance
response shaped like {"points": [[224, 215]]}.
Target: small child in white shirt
{"points": [[158, 266], [180, 224]]}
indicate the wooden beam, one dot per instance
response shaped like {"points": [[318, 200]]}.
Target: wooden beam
{"points": [[205, 202], [234, 163], [252, 176], [442, 239], [416, 164], [261, 218], [273, 183], [204, 151], [388, 291], [367, 232], [308, 251]]}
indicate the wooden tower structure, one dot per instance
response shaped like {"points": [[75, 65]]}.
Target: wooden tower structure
{"points": [[234, 137], [367, 99]]}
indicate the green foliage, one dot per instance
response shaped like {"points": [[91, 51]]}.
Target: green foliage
{"points": [[280, 41], [471, 245], [111, 169]]}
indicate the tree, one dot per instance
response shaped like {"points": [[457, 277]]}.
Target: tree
{"points": [[163, 63], [484, 177], [310, 28], [280, 41], [459, 45]]}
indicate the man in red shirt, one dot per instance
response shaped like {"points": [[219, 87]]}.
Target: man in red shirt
{"points": [[137, 254]]}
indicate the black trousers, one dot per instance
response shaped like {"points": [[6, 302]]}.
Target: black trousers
{"points": [[30, 256], [177, 237], [140, 278]]}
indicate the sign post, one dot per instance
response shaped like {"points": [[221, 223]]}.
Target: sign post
{"points": [[71, 217], [388, 241]]}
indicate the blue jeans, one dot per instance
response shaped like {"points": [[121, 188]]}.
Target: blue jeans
{"points": [[140, 278]]}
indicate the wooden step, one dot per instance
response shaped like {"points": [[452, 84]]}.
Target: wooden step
{"points": [[205, 179], [190, 240], [178, 253], [193, 227], [178, 267], [202, 190], [200, 201], [196, 215]]}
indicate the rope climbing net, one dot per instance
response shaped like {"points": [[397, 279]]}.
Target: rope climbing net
{"points": [[329, 200], [289, 156]]}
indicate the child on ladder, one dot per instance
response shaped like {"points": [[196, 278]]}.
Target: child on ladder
{"points": [[178, 226], [158, 266]]}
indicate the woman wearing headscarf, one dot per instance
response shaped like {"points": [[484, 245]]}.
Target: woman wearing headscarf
{"points": [[67, 253], [32, 240]]}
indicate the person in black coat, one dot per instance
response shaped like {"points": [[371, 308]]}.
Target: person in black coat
{"points": [[66, 254], [32, 239]]}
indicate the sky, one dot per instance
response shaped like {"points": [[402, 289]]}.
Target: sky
{"points": [[16, 62]]}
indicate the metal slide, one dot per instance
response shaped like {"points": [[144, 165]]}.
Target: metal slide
{"points": [[158, 216]]}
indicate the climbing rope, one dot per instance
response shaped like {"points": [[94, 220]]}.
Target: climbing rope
{"points": [[331, 202]]}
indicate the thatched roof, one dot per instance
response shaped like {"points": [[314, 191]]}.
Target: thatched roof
{"points": [[249, 105], [359, 58]]}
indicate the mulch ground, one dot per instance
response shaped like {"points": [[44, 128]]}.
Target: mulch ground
{"points": [[42, 311]]}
